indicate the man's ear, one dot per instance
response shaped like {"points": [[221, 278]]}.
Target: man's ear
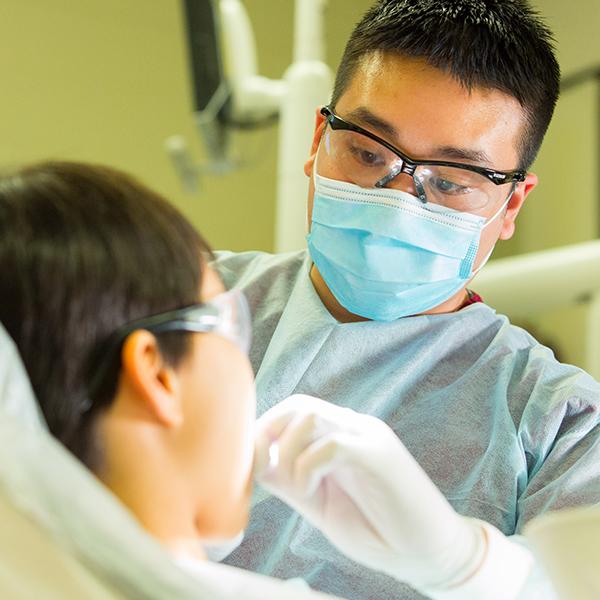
{"points": [[156, 385], [319, 126], [515, 204]]}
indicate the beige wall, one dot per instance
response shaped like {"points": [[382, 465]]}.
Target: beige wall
{"points": [[565, 208], [107, 81]]}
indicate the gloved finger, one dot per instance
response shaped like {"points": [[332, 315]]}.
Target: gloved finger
{"points": [[321, 459], [302, 403], [300, 433], [270, 427], [272, 423], [267, 431]]}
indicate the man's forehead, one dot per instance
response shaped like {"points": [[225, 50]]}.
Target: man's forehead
{"points": [[364, 116], [429, 114]]}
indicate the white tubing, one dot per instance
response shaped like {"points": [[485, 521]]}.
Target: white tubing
{"points": [[239, 47], [254, 97], [528, 284]]}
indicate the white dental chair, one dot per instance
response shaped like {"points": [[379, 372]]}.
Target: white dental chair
{"points": [[32, 566]]}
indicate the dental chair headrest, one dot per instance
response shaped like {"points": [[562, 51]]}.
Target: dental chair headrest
{"points": [[16, 395]]}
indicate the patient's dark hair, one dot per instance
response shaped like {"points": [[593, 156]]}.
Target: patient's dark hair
{"points": [[83, 250], [499, 44]]}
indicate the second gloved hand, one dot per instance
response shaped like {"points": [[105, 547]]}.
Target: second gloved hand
{"points": [[350, 475]]}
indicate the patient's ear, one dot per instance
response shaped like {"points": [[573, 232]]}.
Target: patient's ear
{"points": [[155, 385]]}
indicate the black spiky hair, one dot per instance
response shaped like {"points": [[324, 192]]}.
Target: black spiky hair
{"points": [[499, 44]]}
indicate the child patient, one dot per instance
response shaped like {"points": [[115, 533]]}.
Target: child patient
{"points": [[135, 352]]}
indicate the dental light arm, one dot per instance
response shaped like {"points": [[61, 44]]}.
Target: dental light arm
{"points": [[230, 94]]}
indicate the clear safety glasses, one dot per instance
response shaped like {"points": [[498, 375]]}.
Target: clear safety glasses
{"points": [[227, 315], [370, 162]]}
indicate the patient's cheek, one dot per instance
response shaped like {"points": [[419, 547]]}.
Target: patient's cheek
{"points": [[223, 440]]}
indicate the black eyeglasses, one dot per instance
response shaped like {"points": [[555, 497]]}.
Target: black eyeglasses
{"points": [[369, 161]]}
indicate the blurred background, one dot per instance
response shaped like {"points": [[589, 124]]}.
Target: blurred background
{"points": [[108, 81]]}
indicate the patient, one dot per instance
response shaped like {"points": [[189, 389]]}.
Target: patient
{"points": [[135, 352]]}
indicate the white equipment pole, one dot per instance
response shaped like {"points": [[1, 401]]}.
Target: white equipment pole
{"points": [[308, 85]]}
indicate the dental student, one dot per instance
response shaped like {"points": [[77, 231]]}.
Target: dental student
{"points": [[419, 166]]}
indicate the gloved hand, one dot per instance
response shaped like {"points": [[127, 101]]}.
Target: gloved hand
{"points": [[351, 477]]}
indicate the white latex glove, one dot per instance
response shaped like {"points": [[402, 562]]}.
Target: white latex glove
{"points": [[351, 477]]}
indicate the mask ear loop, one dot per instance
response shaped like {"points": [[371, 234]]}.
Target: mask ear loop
{"points": [[498, 212], [314, 167]]}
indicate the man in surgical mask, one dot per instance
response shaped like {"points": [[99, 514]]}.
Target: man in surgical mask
{"points": [[419, 165]]}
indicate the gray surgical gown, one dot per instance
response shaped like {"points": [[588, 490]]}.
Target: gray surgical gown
{"points": [[504, 430]]}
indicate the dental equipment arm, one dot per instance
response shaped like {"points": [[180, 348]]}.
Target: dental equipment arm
{"points": [[350, 476]]}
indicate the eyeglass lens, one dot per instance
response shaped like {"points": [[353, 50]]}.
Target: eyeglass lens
{"points": [[367, 163]]}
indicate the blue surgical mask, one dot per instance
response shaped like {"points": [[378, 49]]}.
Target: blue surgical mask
{"points": [[384, 254]]}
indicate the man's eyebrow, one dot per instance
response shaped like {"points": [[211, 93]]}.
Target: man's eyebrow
{"points": [[455, 153], [364, 117]]}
